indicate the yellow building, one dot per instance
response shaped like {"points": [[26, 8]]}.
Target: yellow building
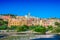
{"points": [[48, 22], [14, 22], [22, 19]]}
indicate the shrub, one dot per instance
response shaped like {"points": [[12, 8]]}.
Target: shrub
{"points": [[40, 29]]}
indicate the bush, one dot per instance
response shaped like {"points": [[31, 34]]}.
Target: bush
{"points": [[57, 24], [32, 27], [56, 30], [13, 27], [40, 29], [49, 28], [19, 29], [22, 28], [3, 27]]}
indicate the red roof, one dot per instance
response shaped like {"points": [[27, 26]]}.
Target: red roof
{"points": [[5, 17]]}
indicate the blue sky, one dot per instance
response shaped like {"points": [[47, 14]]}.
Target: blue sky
{"points": [[38, 8]]}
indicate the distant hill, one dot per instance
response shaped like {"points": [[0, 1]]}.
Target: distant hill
{"points": [[12, 15], [8, 14]]}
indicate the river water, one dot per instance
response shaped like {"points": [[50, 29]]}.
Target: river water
{"points": [[56, 37]]}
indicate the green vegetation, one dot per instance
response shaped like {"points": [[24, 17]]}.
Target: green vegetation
{"points": [[12, 15], [8, 14], [49, 28], [3, 27], [40, 29], [57, 23], [57, 29], [22, 28], [3, 24], [32, 27], [19, 28], [13, 27], [37, 28]]}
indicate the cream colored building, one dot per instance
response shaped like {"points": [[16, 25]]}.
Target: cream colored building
{"points": [[14, 22], [47, 22]]}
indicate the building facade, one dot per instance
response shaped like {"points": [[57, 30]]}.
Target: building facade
{"points": [[13, 22]]}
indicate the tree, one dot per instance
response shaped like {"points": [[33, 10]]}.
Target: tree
{"points": [[2, 22], [3, 27], [5, 22], [32, 27], [40, 29], [56, 30], [12, 15], [13, 27], [57, 23], [49, 28], [22, 28], [19, 29]]}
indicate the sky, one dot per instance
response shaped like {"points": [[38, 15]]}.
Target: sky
{"points": [[37, 8]]}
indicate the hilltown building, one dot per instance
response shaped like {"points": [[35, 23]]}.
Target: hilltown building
{"points": [[23, 20], [29, 20], [48, 22], [5, 18], [13, 22]]}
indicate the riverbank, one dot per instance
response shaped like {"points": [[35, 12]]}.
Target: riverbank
{"points": [[30, 37], [30, 34]]}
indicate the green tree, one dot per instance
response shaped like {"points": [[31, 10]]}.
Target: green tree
{"points": [[22, 28], [32, 27], [57, 23], [49, 28], [13, 27], [56, 30], [5, 22], [40, 29], [2, 22], [19, 29], [3, 27]]}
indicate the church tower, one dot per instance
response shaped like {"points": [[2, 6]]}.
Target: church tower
{"points": [[28, 14]]}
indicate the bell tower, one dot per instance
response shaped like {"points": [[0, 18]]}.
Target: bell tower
{"points": [[28, 14]]}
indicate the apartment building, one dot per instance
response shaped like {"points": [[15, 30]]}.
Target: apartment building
{"points": [[5, 18], [47, 22], [14, 22]]}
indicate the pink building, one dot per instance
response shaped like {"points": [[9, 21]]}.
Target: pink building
{"points": [[48, 22], [6, 18]]}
